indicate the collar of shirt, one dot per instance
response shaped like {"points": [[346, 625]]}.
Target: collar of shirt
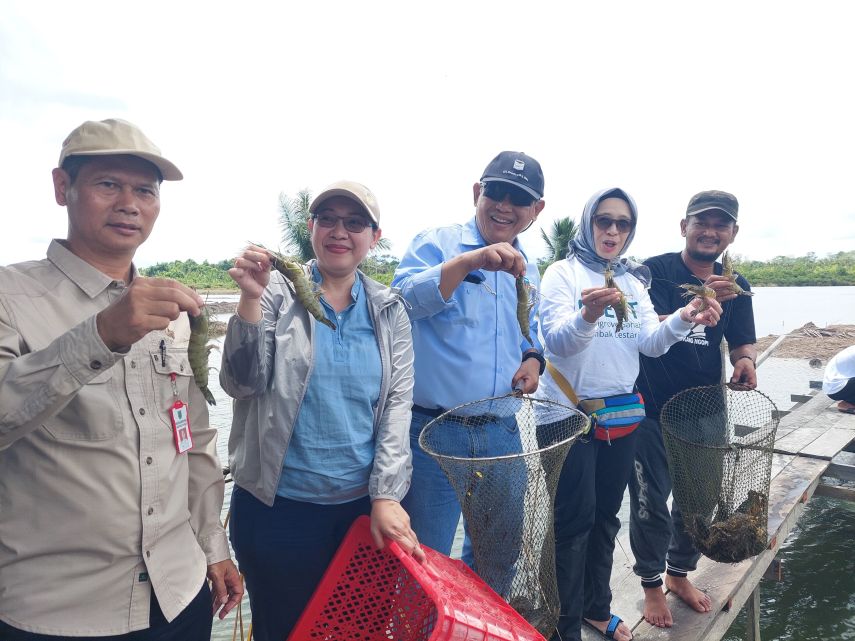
{"points": [[91, 281], [318, 278]]}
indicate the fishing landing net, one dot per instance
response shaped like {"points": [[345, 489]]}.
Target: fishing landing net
{"points": [[503, 457], [719, 441]]}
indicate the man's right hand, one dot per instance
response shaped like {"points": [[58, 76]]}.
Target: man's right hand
{"points": [[499, 257], [147, 304]]}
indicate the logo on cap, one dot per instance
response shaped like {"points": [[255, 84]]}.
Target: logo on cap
{"points": [[519, 165]]}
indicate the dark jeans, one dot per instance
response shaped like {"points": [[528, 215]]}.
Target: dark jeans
{"points": [[590, 492], [656, 536], [846, 394], [193, 624], [283, 552]]}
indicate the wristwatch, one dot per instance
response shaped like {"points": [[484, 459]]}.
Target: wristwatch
{"points": [[538, 357]]}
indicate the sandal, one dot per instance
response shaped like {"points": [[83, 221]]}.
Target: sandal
{"points": [[611, 627]]}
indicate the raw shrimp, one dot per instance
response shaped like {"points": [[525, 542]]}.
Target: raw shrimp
{"points": [[523, 308], [198, 351], [620, 309], [304, 288], [727, 271]]}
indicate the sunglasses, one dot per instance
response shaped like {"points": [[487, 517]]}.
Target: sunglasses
{"points": [[605, 223], [354, 224], [498, 191]]}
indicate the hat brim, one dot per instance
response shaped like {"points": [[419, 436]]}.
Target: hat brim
{"points": [[166, 168], [525, 188], [346, 193], [710, 208]]}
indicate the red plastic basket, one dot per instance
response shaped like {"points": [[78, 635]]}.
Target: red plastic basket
{"points": [[385, 595]]}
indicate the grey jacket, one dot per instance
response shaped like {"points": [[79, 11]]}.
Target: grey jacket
{"points": [[268, 394]]}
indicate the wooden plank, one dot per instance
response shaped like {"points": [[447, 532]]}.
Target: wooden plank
{"points": [[835, 492], [800, 398], [805, 414], [842, 466], [830, 443], [734, 583], [797, 440], [779, 462], [752, 610]]}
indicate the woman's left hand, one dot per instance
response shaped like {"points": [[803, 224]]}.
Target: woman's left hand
{"points": [[709, 316], [389, 520]]}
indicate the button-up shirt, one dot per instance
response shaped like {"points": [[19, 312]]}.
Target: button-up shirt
{"points": [[97, 508], [331, 454], [470, 346]]}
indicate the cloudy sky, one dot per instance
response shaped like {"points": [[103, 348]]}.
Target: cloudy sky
{"points": [[663, 99]]}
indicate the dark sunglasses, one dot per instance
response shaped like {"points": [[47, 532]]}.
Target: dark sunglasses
{"points": [[605, 223], [498, 191], [354, 225]]}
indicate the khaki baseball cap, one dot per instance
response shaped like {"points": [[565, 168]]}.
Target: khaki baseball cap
{"points": [[353, 190], [115, 137]]}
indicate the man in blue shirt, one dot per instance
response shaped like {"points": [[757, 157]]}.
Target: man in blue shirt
{"points": [[459, 281]]}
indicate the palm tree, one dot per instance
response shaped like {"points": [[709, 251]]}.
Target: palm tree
{"points": [[558, 239], [293, 217]]}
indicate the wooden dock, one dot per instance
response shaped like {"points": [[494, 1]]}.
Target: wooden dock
{"points": [[813, 440]]}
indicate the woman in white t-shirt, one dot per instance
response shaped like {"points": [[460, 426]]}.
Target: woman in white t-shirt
{"points": [[583, 343], [839, 379]]}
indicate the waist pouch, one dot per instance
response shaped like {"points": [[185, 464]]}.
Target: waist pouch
{"points": [[615, 416]]}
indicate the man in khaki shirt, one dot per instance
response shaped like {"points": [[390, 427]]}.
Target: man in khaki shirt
{"points": [[107, 530]]}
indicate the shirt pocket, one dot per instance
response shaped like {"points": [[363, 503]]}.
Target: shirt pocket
{"points": [[471, 301], [167, 392], [93, 414]]}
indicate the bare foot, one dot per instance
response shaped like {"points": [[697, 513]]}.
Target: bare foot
{"points": [[846, 406], [692, 596], [656, 610], [622, 633]]}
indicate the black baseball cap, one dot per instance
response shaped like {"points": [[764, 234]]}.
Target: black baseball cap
{"points": [[516, 168], [711, 200]]}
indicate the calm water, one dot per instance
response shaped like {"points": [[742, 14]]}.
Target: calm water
{"points": [[816, 599]]}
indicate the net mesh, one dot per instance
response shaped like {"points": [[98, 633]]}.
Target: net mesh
{"points": [[719, 441], [503, 457]]}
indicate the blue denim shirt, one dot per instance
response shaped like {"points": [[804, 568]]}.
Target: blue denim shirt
{"points": [[331, 453], [470, 346]]}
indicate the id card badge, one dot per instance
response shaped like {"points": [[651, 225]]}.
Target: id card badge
{"points": [[181, 427]]}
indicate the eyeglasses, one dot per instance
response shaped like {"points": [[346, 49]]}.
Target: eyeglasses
{"points": [[497, 191], [605, 223], [353, 224]]}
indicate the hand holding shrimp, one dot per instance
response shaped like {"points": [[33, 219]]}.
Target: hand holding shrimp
{"points": [[251, 271], [702, 311], [596, 299], [499, 257], [252, 274]]}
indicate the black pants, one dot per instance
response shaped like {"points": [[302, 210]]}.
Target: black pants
{"points": [[590, 492], [658, 539], [193, 624], [283, 552], [846, 394]]}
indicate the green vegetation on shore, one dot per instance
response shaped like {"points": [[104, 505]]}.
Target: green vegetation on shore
{"points": [[202, 275], [783, 271]]}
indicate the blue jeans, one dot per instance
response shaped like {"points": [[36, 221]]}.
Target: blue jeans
{"points": [[434, 508]]}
